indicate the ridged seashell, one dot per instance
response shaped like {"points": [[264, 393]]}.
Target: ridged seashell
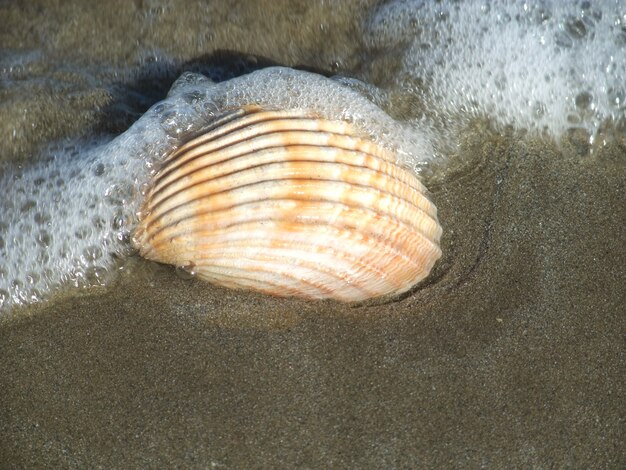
{"points": [[287, 203]]}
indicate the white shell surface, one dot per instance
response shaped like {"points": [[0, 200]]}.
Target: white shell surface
{"points": [[288, 203]]}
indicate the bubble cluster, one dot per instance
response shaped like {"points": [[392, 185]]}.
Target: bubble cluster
{"points": [[56, 223], [69, 218], [284, 88], [539, 65]]}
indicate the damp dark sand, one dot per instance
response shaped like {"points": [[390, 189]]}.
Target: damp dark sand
{"points": [[510, 355]]}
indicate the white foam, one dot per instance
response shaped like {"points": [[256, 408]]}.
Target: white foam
{"points": [[64, 220], [68, 219], [542, 66], [336, 98]]}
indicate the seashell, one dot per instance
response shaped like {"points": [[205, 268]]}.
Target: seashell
{"points": [[288, 203]]}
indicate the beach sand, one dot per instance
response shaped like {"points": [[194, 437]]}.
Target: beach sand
{"points": [[511, 354]]}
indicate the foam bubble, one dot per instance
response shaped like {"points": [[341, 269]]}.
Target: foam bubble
{"points": [[335, 98], [69, 218], [542, 66]]}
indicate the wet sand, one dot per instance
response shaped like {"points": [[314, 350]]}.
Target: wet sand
{"points": [[510, 355]]}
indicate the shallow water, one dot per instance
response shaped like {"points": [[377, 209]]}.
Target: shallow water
{"points": [[510, 354]]}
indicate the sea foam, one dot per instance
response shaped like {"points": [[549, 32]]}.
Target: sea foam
{"points": [[545, 66]]}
